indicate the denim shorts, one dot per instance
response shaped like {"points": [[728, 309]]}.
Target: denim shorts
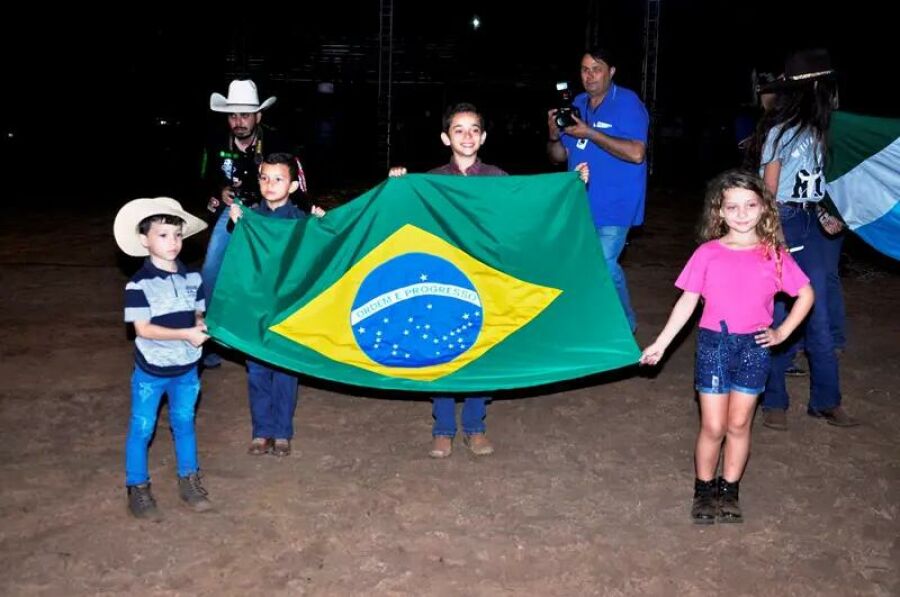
{"points": [[727, 362]]}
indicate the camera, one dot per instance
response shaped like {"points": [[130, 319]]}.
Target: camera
{"points": [[565, 110], [240, 173]]}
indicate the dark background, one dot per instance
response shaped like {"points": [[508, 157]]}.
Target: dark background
{"points": [[108, 106]]}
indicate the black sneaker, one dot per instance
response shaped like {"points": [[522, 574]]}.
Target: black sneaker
{"points": [[193, 494], [141, 503]]}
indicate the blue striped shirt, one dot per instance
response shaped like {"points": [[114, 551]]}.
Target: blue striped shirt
{"points": [[170, 300]]}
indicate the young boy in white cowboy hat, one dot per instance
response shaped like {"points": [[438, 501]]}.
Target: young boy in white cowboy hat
{"points": [[166, 304]]}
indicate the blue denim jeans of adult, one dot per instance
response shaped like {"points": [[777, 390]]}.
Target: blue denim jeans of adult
{"points": [[215, 254], [801, 228], [146, 394], [837, 316], [612, 242], [212, 263], [273, 400], [443, 409]]}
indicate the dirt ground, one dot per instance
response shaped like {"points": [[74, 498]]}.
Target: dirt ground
{"points": [[587, 494]]}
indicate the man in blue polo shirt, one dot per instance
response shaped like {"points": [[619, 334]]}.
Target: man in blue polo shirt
{"points": [[611, 136]]}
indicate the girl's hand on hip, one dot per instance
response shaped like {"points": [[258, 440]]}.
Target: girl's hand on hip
{"points": [[769, 337]]}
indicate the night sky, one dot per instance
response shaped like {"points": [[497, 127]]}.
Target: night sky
{"points": [[102, 89]]}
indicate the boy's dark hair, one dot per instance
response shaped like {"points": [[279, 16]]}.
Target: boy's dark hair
{"points": [[600, 53], [273, 159], [459, 109], [146, 223]]}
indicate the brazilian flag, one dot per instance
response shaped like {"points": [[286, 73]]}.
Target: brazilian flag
{"points": [[428, 282]]}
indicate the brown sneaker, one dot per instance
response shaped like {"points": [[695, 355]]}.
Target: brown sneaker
{"points": [[441, 446], [775, 418], [282, 447], [834, 416], [141, 503], [192, 493], [479, 444], [260, 446]]}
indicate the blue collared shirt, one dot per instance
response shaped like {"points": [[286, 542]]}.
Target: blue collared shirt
{"points": [[617, 187]]}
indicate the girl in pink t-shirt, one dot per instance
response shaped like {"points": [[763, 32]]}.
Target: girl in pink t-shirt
{"points": [[738, 270]]}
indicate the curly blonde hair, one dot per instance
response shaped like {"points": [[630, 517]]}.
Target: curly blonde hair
{"points": [[712, 224]]}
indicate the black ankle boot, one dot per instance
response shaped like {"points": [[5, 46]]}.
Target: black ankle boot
{"points": [[704, 508], [729, 507]]}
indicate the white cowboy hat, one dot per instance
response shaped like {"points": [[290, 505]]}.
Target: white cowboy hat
{"points": [[242, 98], [125, 227]]}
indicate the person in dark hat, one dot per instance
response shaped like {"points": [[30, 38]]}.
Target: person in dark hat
{"points": [[789, 148]]}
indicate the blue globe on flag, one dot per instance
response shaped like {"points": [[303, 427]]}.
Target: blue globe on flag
{"points": [[416, 310]]}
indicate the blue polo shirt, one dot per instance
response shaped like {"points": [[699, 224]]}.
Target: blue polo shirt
{"points": [[616, 189]]}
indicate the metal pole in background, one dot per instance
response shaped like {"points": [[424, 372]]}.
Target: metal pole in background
{"points": [[385, 76], [648, 72]]}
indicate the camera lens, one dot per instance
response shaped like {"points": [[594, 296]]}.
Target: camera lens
{"points": [[564, 118]]}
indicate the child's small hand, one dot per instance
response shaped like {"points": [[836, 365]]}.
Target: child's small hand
{"points": [[583, 171], [197, 335], [652, 354], [317, 211], [769, 337], [397, 171], [235, 212]]}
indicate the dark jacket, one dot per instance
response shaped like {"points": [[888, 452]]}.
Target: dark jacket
{"points": [[224, 164]]}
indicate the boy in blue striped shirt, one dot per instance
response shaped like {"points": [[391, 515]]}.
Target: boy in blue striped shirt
{"points": [[165, 303]]}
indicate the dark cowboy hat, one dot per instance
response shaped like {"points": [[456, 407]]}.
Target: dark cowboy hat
{"points": [[800, 68]]}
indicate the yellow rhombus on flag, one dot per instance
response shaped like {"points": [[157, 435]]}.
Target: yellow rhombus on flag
{"points": [[415, 307]]}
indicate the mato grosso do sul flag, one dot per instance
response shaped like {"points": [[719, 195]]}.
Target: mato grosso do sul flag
{"points": [[429, 282], [863, 177]]}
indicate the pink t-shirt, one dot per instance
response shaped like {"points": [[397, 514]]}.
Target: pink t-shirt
{"points": [[738, 286]]}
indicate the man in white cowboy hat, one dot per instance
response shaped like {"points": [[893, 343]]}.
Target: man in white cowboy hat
{"points": [[230, 168], [165, 303]]}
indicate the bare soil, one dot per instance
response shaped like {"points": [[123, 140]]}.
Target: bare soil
{"points": [[588, 492]]}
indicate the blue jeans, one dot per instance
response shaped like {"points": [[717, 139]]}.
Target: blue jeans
{"points": [[612, 242], [801, 227], [273, 400], [837, 316], [146, 394], [443, 410], [215, 254]]}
